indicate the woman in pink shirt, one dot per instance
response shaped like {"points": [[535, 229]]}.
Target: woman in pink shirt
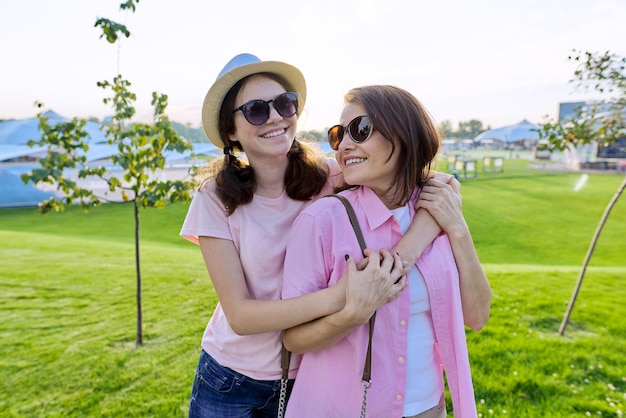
{"points": [[241, 216], [385, 146]]}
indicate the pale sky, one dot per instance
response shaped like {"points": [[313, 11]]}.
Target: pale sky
{"points": [[492, 60]]}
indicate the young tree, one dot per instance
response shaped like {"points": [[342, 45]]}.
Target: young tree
{"points": [[446, 127], [140, 154], [471, 128], [605, 73]]}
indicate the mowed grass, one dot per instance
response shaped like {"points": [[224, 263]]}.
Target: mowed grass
{"points": [[68, 308]]}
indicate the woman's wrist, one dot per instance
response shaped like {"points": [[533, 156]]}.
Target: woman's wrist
{"points": [[458, 231], [335, 298], [351, 317]]}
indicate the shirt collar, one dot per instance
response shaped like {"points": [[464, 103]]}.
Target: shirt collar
{"points": [[376, 213]]}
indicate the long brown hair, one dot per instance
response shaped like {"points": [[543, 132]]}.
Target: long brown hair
{"points": [[403, 121], [235, 181]]}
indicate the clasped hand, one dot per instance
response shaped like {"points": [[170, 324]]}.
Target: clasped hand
{"points": [[377, 280]]}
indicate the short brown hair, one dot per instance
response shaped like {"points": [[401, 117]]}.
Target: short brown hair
{"points": [[403, 121]]}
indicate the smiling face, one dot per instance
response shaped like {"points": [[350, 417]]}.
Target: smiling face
{"points": [[274, 137], [370, 163]]}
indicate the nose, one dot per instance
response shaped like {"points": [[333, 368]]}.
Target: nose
{"points": [[345, 141], [274, 115]]}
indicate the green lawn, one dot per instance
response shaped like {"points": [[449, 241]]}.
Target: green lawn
{"points": [[68, 313]]}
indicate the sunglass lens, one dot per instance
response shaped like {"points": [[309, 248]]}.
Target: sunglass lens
{"points": [[286, 104], [335, 135], [360, 128], [256, 112]]}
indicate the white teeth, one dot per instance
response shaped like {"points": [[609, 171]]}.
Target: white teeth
{"points": [[273, 134], [354, 161]]}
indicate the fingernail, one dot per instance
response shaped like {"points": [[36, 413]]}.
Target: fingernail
{"points": [[347, 256]]}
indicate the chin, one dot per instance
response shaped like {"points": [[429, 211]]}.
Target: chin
{"points": [[353, 180]]}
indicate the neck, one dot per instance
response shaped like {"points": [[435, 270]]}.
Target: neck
{"points": [[270, 176], [387, 197]]}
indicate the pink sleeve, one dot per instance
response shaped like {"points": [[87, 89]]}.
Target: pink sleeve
{"points": [[206, 217], [335, 175], [305, 266]]}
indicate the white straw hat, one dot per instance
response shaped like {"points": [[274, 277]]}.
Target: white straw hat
{"points": [[238, 68]]}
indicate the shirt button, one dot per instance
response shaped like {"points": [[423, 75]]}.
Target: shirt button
{"points": [[400, 359], [403, 322], [398, 397]]}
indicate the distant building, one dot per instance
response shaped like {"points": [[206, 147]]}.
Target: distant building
{"points": [[594, 155], [569, 110]]}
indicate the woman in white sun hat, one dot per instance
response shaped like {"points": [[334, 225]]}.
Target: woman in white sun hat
{"points": [[241, 215]]}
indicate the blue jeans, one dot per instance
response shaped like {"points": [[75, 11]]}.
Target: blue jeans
{"points": [[220, 392]]}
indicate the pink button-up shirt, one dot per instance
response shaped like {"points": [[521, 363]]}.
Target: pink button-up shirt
{"points": [[329, 381]]}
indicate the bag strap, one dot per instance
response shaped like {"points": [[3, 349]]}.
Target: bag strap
{"points": [[367, 368], [353, 220], [285, 359]]}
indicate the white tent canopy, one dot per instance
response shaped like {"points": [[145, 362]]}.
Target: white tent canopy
{"points": [[20, 131], [522, 131], [15, 134], [16, 157]]}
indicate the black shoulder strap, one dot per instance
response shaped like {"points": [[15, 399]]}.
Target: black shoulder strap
{"points": [[367, 368], [353, 220]]}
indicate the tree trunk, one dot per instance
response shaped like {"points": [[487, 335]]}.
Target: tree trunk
{"points": [[138, 269], [594, 240]]}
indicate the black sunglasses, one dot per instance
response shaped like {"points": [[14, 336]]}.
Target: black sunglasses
{"points": [[257, 112], [359, 129]]}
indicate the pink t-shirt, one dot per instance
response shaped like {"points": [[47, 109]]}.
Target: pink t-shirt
{"points": [[259, 230], [329, 381]]}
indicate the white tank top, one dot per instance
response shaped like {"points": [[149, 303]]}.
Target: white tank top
{"points": [[424, 377]]}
